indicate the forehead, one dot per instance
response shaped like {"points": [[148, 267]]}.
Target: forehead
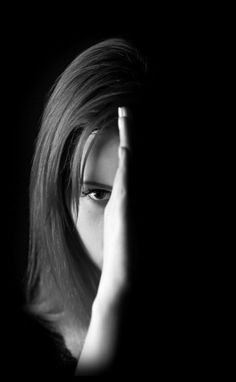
{"points": [[102, 161]]}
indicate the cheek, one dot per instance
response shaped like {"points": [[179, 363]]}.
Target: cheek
{"points": [[90, 228]]}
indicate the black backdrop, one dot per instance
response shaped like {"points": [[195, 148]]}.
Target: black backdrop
{"points": [[36, 48]]}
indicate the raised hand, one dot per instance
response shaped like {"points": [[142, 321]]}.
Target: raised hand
{"points": [[101, 341]]}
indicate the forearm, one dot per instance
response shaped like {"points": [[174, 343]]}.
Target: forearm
{"points": [[102, 338], [101, 341]]}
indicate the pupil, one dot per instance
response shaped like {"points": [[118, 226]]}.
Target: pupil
{"points": [[99, 194]]}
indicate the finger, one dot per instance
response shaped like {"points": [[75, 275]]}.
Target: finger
{"points": [[120, 180], [124, 125], [120, 183]]}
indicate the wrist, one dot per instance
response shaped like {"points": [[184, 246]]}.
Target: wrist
{"points": [[111, 293]]}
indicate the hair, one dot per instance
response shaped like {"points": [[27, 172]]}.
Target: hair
{"points": [[62, 281]]}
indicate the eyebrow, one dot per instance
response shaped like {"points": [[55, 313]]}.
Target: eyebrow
{"points": [[98, 184]]}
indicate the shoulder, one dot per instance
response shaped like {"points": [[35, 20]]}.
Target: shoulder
{"points": [[41, 350]]}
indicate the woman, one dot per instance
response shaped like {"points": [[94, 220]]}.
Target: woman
{"points": [[81, 227]]}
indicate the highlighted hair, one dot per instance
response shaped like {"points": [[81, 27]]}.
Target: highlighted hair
{"points": [[62, 280]]}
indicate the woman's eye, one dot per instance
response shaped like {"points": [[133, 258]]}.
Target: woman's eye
{"points": [[97, 194]]}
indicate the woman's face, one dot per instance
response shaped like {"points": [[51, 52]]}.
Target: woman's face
{"points": [[99, 173]]}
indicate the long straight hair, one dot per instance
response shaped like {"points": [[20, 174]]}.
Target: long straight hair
{"points": [[62, 280]]}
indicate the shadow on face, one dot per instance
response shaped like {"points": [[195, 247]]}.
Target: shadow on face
{"points": [[99, 174]]}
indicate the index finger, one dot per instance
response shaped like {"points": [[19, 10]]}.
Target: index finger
{"points": [[124, 123]]}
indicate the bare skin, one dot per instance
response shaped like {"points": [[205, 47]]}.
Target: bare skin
{"points": [[109, 250]]}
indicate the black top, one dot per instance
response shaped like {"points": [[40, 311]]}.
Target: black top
{"points": [[32, 349]]}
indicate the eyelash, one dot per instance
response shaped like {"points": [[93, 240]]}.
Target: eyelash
{"points": [[93, 191]]}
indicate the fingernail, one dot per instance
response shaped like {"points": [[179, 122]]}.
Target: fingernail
{"points": [[123, 112], [122, 132]]}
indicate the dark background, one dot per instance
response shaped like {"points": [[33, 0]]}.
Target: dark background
{"points": [[37, 45]]}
